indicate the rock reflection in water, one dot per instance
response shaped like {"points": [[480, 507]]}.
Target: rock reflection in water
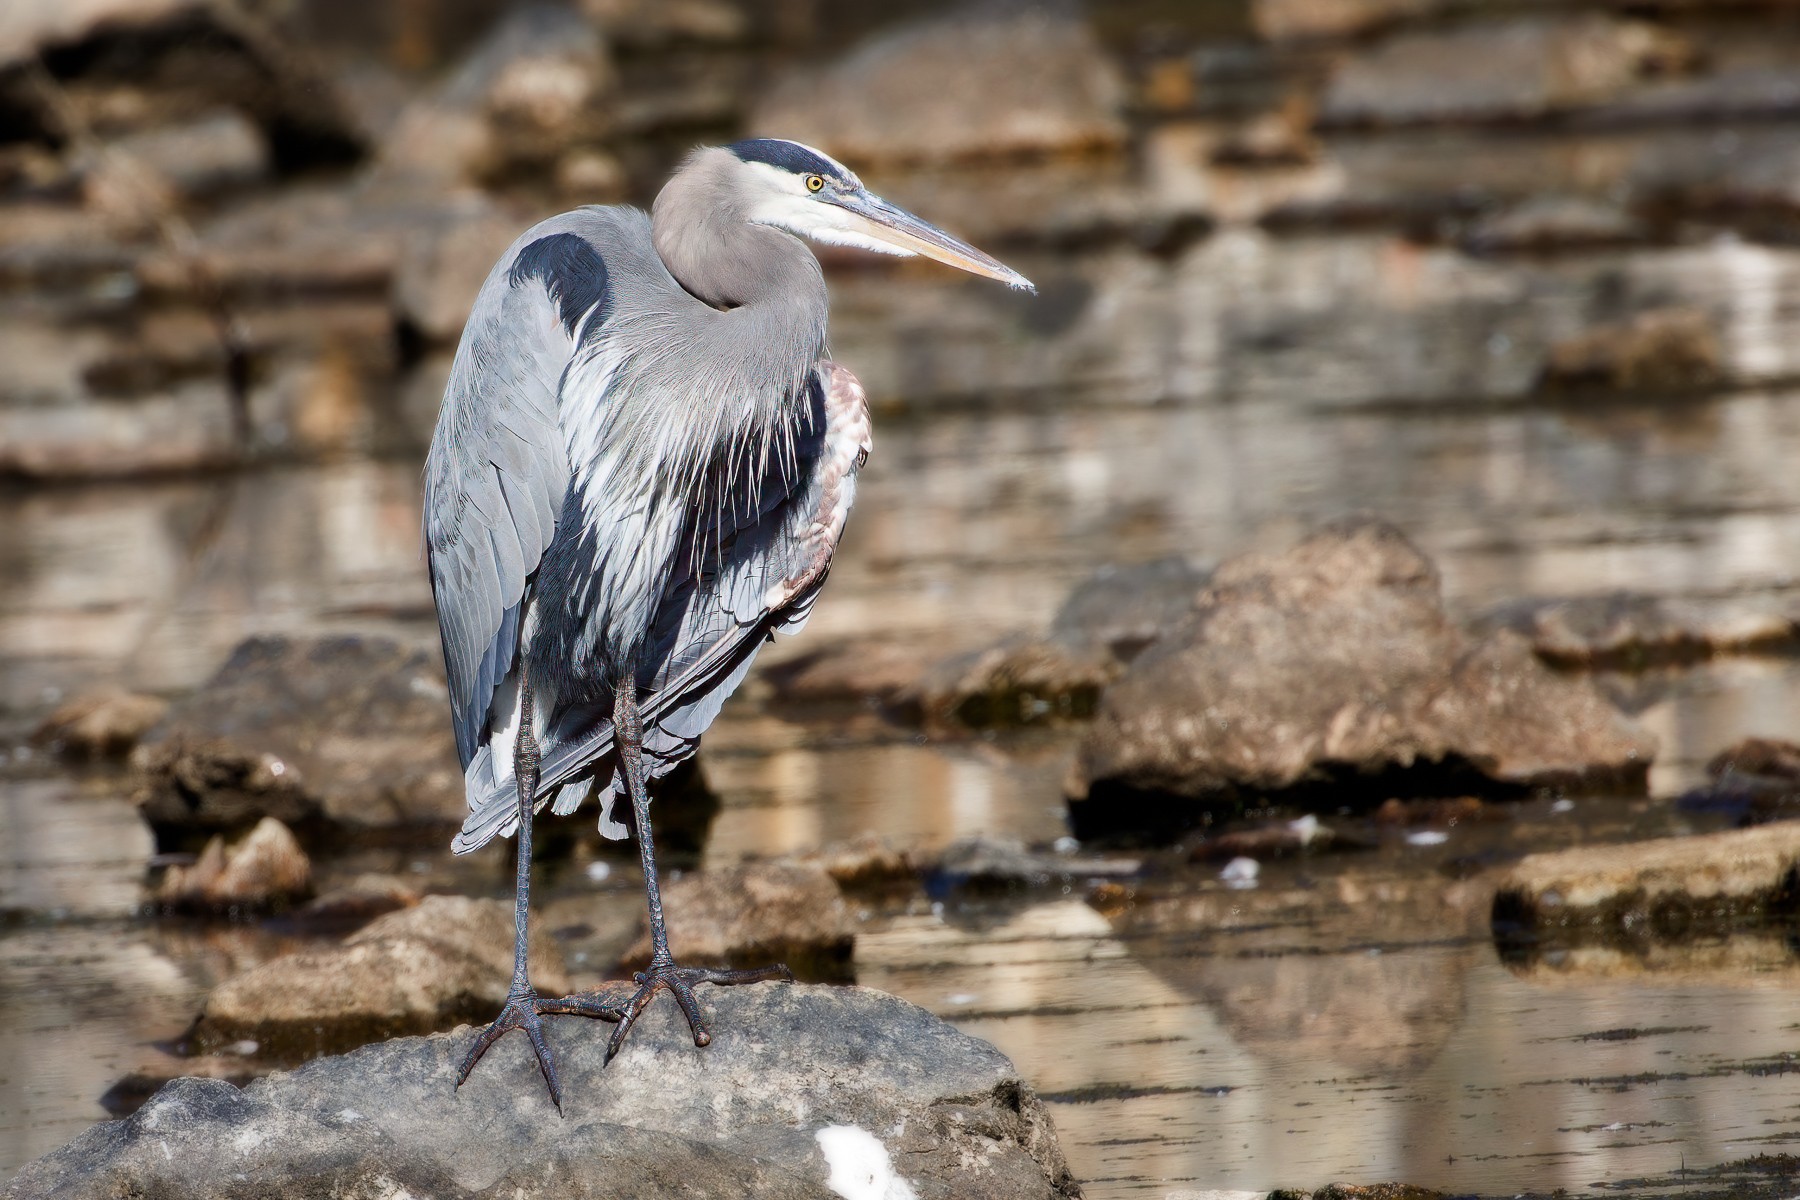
{"points": [[1354, 1041]]}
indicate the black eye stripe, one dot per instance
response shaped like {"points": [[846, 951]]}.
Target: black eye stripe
{"points": [[789, 156]]}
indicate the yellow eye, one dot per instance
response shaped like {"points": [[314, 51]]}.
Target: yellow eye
{"points": [[815, 183]]}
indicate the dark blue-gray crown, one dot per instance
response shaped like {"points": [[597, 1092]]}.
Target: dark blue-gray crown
{"points": [[789, 156]]}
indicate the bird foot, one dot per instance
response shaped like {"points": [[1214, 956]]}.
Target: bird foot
{"points": [[523, 1009], [680, 982]]}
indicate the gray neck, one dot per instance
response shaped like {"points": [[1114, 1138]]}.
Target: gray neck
{"points": [[703, 234]]}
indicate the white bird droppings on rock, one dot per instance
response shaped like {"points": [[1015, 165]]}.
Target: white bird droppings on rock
{"points": [[860, 1166]]}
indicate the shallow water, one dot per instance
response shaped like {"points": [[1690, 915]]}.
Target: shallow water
{"points": [[1347, 1019]]}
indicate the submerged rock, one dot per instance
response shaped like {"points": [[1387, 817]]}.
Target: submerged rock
{"points": [[755, 915], [1755, 781], [1633, 630], [799, 1085], [1664, 349], [264, 870], [444, 961], [931, 93], [346, 732], [1332, 670], [1669, 888], [986, 864], [1020, 680]]}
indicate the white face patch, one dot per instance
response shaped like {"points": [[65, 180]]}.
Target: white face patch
{"points": [[860, 1166], [783, 202]]}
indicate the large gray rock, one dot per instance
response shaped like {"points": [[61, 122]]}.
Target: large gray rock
{"points": [[1333, 666], [801, 1085], [932, 93], [341, 731]]}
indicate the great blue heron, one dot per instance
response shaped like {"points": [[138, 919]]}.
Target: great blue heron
{"points": [[641, 470]]}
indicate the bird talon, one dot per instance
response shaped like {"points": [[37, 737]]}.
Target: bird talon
{"points": [[680, 981]]}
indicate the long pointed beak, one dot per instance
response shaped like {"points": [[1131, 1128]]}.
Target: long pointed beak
{"points": [[901, 229]]}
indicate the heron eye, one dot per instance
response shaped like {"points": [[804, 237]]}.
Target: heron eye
{"points": [[815, 183]]}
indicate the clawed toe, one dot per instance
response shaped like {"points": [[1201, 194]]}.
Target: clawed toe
{"points": [[523, 1011], [680, 981]]}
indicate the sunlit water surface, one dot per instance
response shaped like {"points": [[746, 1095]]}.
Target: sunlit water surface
{"points": [[1181, 1043]]}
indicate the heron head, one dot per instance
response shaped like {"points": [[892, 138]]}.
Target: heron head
{"points": [[808, 193]]}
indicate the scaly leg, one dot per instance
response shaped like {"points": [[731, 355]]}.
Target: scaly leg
{"points": [[662, 972], [523, 1005]]}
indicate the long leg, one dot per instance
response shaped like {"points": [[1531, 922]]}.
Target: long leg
{"points": [[662, 972], [523, 1005]]}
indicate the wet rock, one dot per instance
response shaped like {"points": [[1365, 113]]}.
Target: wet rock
{"points": [[986, 864], [848, 671], [1667, 349], [444, 961], [1332, 671], [1631, 630], [1759, 758], [1519, 69], [800, 1083], [338, 732], [1669, 888], [1020, 680], [930, 93], [102, 724], [1756, 780], [266, 869], [754, 915], [1124, 609]]}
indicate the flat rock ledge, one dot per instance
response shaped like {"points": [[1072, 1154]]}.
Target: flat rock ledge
{"points": [[802, 1088], [1666, 888]]}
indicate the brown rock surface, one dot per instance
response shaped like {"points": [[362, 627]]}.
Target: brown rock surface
{"points": [[102, 724], [1632, 630], [1512, 69], [1665, 349], [754, 915], [340, 731], [265, 869], [1334, 665], [445, 961], [1666, 888], [930, 92], [1021, 680]]}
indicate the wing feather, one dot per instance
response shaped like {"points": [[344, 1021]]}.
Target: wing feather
{"points": [[769, 562]]}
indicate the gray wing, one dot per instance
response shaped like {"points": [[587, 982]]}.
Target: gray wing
{"points": [[755, 571], [498, 469]]}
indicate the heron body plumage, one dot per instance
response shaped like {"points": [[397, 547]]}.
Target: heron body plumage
{"points": [[642, 468]]}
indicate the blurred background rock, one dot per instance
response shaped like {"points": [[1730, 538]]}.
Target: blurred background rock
{"points": [[1521, 279]]}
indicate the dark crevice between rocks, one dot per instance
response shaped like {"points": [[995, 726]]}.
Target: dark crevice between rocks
{"points": [[1117, 812]]}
